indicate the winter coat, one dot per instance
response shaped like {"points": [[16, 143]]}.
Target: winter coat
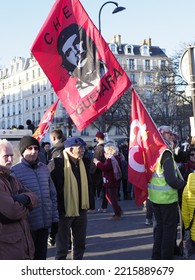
{"points": [[57, 149], [15, 238], [37, 178], [99, 154], [106, 167], [56, 167], [188, 204]]}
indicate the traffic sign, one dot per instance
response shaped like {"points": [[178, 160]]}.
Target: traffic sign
{"points": [[187, 65]]}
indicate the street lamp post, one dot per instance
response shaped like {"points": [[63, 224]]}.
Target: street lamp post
{"points": [[116, 10]]}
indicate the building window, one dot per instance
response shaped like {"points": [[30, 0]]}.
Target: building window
{"points": [[14, 110], [128, 49], [19, 108], [33, 117], [44, 100], [132, 78], [33, 103], [39, 101], [131, 64], [148, 79], [33, 88], [39, 117], [52, 98], [38, 86], [162, 64], [113, 48], [147, 64], [144, 50], [26, 104], [84, 132]]}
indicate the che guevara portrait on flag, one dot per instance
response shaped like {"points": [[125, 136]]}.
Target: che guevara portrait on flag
{"points": [[80, 58], [83, 71]]}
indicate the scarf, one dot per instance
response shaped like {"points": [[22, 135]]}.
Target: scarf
{"points": [[71, 195]]}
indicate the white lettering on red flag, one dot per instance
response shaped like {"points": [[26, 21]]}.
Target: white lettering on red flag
{"points": [[84, 73]]}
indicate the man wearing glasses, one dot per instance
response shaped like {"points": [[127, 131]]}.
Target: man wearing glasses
{"points": [[35, 175], [163, 193], [72, 181]]}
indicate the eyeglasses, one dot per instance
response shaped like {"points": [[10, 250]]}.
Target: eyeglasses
{"points": [[31, 148], [192, 154]]}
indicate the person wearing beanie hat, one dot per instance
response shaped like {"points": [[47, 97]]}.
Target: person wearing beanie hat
{"points": [[100, 135], [26, 142], [35, 175]]}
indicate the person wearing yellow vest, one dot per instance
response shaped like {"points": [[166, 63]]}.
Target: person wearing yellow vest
{"points": [[163, 193]]}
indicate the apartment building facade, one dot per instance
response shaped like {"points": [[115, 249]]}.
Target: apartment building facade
{"points": [[26, 93]]}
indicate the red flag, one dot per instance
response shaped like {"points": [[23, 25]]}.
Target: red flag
{"points": [[145, 147], [84, 73], [45, 122]]}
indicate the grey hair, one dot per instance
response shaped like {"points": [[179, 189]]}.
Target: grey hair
{"points": [[111, 147], [5, 142]]}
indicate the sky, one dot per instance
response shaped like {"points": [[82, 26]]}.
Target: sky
{"points": [[169, 23]]}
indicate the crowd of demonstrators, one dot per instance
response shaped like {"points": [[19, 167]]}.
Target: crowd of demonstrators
{"points": [[72, 182], [96, 175], [16, 202], [112, 175], [51, 190], [163, 194], [35, 175]]}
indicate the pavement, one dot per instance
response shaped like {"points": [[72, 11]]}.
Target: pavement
{"points": [[125, 239]]}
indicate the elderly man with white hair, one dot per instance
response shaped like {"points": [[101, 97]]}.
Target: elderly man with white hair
{"points": [[15, 203]]}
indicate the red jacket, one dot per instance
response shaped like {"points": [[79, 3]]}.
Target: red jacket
{"points": [[109, 180]]}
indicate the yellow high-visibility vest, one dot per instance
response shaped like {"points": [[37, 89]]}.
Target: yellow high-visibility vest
{"points": [[158, 190]]}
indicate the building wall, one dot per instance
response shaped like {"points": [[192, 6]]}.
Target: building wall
{"points": [[26, 93]]}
